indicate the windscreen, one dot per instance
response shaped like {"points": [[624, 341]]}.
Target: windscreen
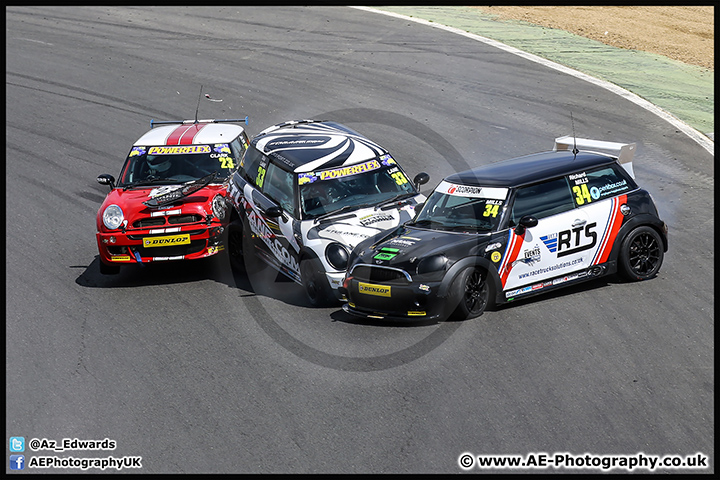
{"points": [[463, 208], [176, 164], [370, 183]]}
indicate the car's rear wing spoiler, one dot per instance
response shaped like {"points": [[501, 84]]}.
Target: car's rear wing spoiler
{"points": [[191, 122], [623, 151]]}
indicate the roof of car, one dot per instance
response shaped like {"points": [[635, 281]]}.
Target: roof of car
{"points": [[530, 168], [190, 132], [310, 145]]}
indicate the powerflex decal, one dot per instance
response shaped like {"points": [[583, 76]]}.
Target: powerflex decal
{"points": [[179, 150], [351, 170]]}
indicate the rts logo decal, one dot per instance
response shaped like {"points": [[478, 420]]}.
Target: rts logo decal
{"points": [[571, 241]]}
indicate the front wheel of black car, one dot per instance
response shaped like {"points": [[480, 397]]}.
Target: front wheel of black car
{"points": [[317, 289], [641, 254], [475, 293]]}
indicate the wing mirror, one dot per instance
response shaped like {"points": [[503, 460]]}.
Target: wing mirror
{"points": [[527, 221], [106, 179], [274, 211], [421, 179]]}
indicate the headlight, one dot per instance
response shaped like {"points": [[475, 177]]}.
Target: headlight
{"points": [[337, 256], [219, 207], [436, 263], [113, 217]]}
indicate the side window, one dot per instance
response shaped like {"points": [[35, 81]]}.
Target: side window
{"points": [[279, 186], [251, 166], [542, 200], [588, 187]]}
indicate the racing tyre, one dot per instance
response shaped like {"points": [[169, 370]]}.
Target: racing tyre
{"points": [[641, 254], [313, 279], [475, 293], [235, 245]]}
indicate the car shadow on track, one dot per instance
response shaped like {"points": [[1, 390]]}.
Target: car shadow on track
{"points": [[267, 283], [217, 268]]}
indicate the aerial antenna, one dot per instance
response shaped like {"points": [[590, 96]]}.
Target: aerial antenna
{"points": [[575, 149], [198, 104]]}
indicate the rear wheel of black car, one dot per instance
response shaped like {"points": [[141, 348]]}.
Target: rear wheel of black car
{"points": [[313, 279], [474, 291], [641, 254]]}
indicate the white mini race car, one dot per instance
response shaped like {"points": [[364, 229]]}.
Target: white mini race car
{"points": [[305, 194]]}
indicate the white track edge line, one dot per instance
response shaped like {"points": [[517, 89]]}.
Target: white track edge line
{"points": [[694, 134]]}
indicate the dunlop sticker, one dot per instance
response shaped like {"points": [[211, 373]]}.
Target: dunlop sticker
{"points": [[166, 241], [371, 289]]}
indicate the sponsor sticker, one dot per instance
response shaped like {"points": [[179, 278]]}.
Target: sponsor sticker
{"points": [[165, 150], [470, 191], [350, 170], [387, 253], [166, 241], [372, 289]]}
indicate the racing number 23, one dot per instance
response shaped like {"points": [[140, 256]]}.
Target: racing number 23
{"points": [[226, 162]]}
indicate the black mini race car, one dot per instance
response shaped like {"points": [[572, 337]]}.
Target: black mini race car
{"points": [[509, 230]]}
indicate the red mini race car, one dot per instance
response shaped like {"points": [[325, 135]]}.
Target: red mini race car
{"points": [[169, 201]]}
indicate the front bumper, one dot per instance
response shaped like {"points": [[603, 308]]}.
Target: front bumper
{"points": [[118, 248], [415, 301]]}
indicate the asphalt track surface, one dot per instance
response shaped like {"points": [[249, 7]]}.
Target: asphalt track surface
{"points": [[198, 370]]}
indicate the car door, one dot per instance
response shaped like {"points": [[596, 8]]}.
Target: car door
{"points": [[274, 234], [563, 242]]}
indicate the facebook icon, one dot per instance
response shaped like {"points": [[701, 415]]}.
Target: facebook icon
{"points": [[17, 462]]}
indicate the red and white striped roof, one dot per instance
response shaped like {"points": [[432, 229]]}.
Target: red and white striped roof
{"points": [[190, 134]]}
